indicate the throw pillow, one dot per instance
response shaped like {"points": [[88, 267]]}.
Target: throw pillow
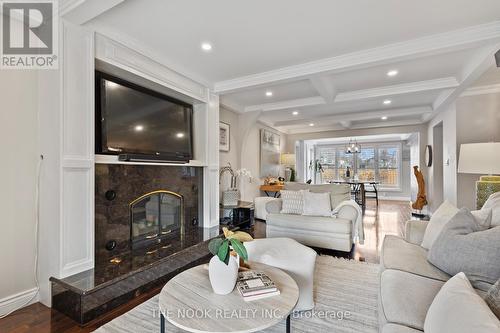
{"points": [[465, 246], [317, 204], [493, 299], [293, 202], [493, 203], [438, 220], [338, 192], [483, 217], [458, 308]]}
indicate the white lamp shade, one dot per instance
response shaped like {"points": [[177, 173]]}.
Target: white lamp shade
{"points": [[288, 159], [480, 158]]}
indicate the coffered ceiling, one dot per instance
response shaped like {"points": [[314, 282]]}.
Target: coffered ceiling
{"points": [[317, 65]]}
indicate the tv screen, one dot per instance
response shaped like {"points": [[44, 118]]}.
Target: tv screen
{"points": [[134, 120]]}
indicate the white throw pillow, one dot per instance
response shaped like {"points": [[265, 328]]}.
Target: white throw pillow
{"points": [[493, 203], [293, 202], [483, 217], [317, 204], [438, 220], [457, 308]]}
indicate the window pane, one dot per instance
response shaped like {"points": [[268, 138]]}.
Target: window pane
{"points": [[326, 156], [344, 161], [388, 165], [366, 164]]}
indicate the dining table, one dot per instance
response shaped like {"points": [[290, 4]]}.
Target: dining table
{"points": [[358, 188]]}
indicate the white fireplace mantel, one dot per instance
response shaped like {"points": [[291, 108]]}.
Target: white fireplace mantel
{"points": [[66, 133]]}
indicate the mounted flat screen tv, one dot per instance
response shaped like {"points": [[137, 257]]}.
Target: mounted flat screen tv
{"points": [[138, 123]]}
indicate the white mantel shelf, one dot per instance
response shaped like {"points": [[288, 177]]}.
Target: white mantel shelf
{"points": [[113, 159]]}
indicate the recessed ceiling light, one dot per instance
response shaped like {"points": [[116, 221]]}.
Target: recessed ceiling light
{"points": [[139, 128], [311, 124], [180, 135], [295, 113], [384, 118], [387, 102], [269, 93], [206, 46], [392, 72]]}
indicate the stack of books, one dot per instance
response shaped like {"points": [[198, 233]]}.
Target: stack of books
{"points": [[254, 285]]}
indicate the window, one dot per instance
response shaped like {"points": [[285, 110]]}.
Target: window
{"points": [[326, 156], [366, 164], [376, 162], [388, 166]]}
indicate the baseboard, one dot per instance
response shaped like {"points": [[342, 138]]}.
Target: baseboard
{"points": [[18, 300]]}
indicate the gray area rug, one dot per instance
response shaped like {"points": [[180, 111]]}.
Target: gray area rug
{"points": [[345, 297]]}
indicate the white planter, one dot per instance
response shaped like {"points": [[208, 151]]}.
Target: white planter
{"points": [[223, 277]]}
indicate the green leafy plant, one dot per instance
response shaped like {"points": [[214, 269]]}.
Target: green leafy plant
{"points": [[221, 247]]}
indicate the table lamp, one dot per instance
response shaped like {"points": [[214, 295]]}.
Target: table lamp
{"points": [[484, 159], [288, 160]]}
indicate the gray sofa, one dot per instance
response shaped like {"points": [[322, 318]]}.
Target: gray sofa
{"points": [[334, 233], [408, 282]]}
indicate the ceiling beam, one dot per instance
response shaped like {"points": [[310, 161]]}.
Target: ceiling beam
{"points": [[476, 67], [420, 47], [399, 89], [289, 104], [306, 129], [324, 87], [357, 116]]}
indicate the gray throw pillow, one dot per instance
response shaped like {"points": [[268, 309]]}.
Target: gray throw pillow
{"points": [[465, 246], [493, 299]]}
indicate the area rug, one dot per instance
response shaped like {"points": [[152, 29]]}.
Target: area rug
{"points": [[345, 296]]}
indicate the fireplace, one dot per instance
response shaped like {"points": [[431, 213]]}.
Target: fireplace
{"points": [[156, 215]]}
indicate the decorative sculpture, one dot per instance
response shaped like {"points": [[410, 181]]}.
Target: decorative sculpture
{"points": [[421, 197]]}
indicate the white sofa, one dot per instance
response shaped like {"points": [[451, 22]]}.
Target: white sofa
{"points": [[335, 233]]}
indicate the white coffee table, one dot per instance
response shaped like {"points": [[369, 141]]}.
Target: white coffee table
{"points": [[188, 302]]}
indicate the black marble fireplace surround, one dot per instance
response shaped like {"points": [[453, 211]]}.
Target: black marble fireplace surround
{"points": [[123, 271]]}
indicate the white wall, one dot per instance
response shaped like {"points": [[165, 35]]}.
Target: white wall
{"points": [[251, 160], [478, 120], [449, 166], [19, 147]]}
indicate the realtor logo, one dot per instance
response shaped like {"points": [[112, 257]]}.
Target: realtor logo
{"points": [[29, 34]]}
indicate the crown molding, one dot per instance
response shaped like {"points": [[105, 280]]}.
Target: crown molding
{"points": [[290, 104], [482, 90], [405, 88], [66, 6], [424, 46], [357, 116]]}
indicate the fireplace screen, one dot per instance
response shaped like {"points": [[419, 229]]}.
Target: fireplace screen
{"points": [[156, 215]]}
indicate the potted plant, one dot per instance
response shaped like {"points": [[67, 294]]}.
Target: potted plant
{"points": [[317, 169], [223, 267]]}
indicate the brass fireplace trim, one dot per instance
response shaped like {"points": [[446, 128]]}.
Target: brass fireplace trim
{"points": [[132, 203]]}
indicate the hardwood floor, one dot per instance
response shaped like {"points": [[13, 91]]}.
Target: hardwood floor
{"points": [[386, 219]]}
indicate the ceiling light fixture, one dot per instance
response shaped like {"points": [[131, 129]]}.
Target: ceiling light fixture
{"points": [[180, 135], [384, 118], [139, 128], [206, 46], [311, 124], [387, 102], [269, 93], [295, 113], [392, 72]]}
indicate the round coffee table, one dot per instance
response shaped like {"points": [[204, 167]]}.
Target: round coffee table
{"points": [[188, 302]]}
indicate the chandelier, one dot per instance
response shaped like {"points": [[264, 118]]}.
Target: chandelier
{"points": [[353, 147]]}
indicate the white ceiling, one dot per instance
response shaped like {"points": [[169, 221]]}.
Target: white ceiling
{"points": [[326, 59]]}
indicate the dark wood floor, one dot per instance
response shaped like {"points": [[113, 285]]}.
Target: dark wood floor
{"points": [[386, 219]]}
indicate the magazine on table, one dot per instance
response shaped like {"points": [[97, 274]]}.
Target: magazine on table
{"points": [[254, 285]]}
